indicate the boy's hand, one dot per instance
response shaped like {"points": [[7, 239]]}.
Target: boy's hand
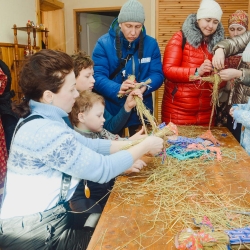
{"points": [[130, 101], [139, 135], [136, 167]]}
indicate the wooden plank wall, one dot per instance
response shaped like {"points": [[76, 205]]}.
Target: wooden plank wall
{"points": [[170, 16]]}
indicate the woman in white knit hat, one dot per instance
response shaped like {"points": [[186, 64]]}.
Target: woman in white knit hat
{"points": [[127, 50], [189, 52]]}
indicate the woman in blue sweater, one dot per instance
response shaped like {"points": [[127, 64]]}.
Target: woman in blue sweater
{"points": [[48, 158]]}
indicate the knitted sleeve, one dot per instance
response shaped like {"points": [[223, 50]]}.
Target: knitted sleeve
{"points": [[117, 122], [43, 145]]}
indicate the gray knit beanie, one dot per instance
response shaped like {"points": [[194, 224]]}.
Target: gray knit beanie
{"points": [[131, 11]]}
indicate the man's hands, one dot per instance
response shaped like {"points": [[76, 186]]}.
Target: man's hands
{"points": [[126, 85]]}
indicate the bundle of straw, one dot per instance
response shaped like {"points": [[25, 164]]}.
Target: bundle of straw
{"points": [[206, 240], [215, 80], [167, 130], [141, 108], [138, 85], [143, 111]]}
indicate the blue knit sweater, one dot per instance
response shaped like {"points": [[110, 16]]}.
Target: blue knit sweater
{"points": [[114, 124], [44, 148]]}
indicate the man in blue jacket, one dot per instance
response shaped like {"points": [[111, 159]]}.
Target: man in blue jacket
{"points": [[127, 50]]}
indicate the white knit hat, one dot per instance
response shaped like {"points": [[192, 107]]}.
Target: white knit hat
{"points": [[246, 54], [209, 9]]}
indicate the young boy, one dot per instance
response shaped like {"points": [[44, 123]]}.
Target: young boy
{"points": [[83, 68], [87, 118]]}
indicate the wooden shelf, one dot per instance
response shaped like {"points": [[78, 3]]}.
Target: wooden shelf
{"points": [[31, 29], [49, 5]]}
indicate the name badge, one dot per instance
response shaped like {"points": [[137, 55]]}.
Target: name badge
{"points": [[146, 60]]}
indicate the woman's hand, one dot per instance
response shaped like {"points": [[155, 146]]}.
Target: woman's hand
{"points": [[136, 167], [154, 144], [206, 67], [228, 74], [130, 101], [126, 85], [219, 59]]}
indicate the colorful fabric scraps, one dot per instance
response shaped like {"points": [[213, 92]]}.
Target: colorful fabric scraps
{"points": [[239, 236], [209, 136], [184, 141], [203, 222], [196, 240], [181, 153]]}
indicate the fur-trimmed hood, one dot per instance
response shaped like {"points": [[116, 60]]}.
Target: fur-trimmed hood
{"points": [[194, 35]]}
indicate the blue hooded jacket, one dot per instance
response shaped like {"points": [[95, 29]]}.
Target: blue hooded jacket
{"points": [[106, 61]]}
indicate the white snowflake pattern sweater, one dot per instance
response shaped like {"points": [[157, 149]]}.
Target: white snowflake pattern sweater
{"points": [[44, 148]]}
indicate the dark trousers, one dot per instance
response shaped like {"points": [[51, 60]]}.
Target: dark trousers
{"points": [[50, 230], [236, 132], [99, 194]]}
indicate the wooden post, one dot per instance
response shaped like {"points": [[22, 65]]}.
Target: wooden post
{"points": [[16, 59], [34, 38], [46, 37], [15, 43], [29, 40]]}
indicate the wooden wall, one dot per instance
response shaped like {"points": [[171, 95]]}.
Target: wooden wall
{"points": [[56, 40], [170, 17], [7, 55]]}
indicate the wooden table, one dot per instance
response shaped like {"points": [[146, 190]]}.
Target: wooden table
{"points": [[141, 214]]}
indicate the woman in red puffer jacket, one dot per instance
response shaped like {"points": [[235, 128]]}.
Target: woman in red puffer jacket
{"points": [[189, 52]]}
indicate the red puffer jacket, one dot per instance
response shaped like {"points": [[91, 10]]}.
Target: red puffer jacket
{"points": [[185, 102]]}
